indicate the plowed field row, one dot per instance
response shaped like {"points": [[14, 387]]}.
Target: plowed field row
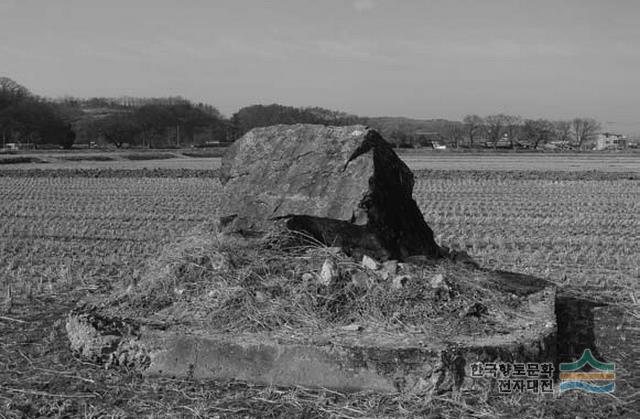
{"points": [[72, 228]]}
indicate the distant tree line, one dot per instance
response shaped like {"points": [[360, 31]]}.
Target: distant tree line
{"points": [[255, 116], [408, 133], [158, 124], [154, 123], [502, 130], [138, 122], [128, 102], [492, 131], [30, 119], [146, 122], [177, 122]]}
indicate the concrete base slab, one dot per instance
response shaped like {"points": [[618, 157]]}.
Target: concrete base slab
{"points": [[345, 360]]}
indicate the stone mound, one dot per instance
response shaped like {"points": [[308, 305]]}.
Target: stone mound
{"points": [[260, 310]]}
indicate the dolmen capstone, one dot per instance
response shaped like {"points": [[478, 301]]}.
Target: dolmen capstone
{"points": [[377, 306], [344, 186]]}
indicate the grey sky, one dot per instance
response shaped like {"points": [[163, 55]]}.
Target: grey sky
{"points": [[424, 59]]}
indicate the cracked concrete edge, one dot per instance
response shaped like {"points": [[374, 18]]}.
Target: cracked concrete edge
{"points": [[193, 356], [344, 366], [266, 363]]}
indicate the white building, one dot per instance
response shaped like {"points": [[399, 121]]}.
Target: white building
{"points": [[608, 141]]}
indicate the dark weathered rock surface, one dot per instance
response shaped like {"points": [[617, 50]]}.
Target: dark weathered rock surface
{"points": [[345, 186]]}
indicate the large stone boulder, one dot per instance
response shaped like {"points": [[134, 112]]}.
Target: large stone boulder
{"points": [[344, 186]]}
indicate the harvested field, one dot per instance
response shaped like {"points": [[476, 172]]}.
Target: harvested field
{"points": [[89, 231], [118, 163], [114, 160], [112, 173], [61, 228], [415, 159], [567, 162], [148, 156], [216, 152], [85, 157]]}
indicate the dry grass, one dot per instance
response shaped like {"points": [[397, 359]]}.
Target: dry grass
{"points": [[219, 282]]}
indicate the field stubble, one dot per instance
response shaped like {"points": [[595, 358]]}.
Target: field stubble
{"points": [[64, 236]]}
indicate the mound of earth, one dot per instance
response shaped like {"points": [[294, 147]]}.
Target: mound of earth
{"points": [[278, 311]]}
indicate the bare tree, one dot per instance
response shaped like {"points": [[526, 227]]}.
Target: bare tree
{"points": [[11, 88], [11, 96], [495, 125], [562, 130], [585, 130], [454, 132], [473, 125], [537, 132]]}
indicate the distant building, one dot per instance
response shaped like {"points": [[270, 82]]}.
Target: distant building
{"points": [[12, 146], [609, 141]]}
